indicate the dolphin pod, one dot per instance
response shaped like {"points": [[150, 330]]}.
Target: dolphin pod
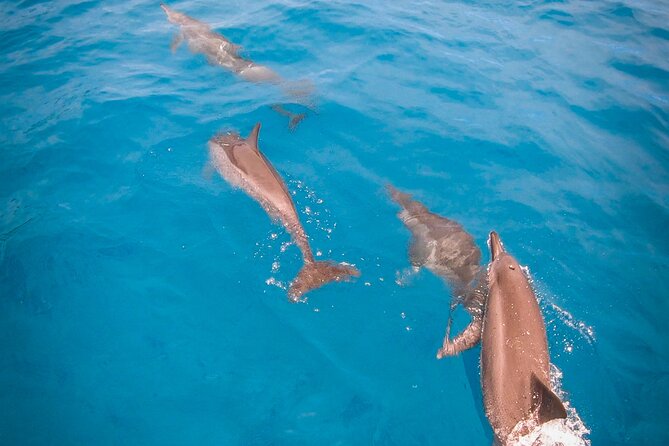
{"points": [[221, 52], [505, 315]]}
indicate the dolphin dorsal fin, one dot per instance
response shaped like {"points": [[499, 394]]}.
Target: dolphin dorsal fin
{"points": [[546, 403], [252, 139]]}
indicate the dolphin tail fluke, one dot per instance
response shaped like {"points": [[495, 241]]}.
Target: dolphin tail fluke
{"points": [[316, 274], [295, 119], [546, 403]]}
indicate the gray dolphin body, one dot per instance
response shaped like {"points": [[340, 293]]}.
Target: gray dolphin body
{"points": [[242, 164], [444, 247], [514, 353], [221, 52]]}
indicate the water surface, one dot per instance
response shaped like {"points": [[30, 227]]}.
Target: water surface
{"points": [[142, 302]]}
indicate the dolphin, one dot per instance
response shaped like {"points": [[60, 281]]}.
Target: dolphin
{"points": [[444, 247], [514, 352], [222, 52], [241, 163]]}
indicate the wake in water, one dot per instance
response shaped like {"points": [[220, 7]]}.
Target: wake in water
{"points": [[554, 311]]}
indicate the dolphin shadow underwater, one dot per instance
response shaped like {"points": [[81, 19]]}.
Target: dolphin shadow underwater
{"points": [[221, 52], [241, 163]]}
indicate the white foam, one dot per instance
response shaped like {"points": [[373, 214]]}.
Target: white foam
{"points": [[573, 422], [553, 433], [317, 215], [277, 283], [586, 331], [404, 277]]}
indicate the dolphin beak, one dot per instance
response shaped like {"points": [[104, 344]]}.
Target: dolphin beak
{"points": [[495, 244], [165, 8]]}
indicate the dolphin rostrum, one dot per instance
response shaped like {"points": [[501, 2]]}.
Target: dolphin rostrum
{"points": [[220, 51], [242, 164], [514, 354], [447, 250]]}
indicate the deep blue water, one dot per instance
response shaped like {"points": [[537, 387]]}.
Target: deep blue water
{"points": [[141, 301]]}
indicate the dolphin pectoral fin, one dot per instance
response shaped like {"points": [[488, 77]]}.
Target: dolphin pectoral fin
{"points": [[176, 41], [469, 337], [545, 402]]}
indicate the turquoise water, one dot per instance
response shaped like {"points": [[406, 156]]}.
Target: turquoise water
{"points": [[141, 302]]}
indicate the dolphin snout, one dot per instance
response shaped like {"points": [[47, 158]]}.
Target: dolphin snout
{"points": [[166, 8], [495, 244]]}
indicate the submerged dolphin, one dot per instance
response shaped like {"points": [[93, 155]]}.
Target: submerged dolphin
{"points": [[514, 354], [220, 51], [447, 250], [243, 165]]}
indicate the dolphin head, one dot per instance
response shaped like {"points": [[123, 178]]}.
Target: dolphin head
{"points": [[173, 16], [496, 246]]}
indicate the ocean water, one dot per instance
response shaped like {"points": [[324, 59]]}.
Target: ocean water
{"points": [[143, 302]]}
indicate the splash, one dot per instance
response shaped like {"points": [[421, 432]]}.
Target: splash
{"points": [[285, 245], [405, 276], [586, 332], [573, 420], [554, 432], [267, 245], [568, 319], [314, 213], [277, 283], [315, 217], [570, 431]]}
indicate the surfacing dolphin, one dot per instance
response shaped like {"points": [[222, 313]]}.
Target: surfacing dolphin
{"points": [[514, 353], [220, 51], [444, 247], [242, 164]]}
